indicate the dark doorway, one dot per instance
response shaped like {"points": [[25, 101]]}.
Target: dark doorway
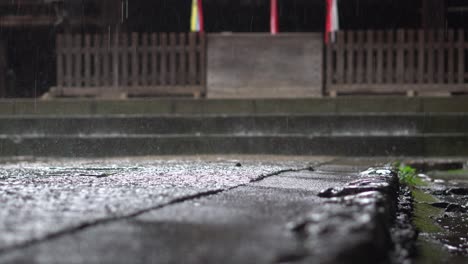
{"points": [[30, 62], [382, 14], [254, 15]]}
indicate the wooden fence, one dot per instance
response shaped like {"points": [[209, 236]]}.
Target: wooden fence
{"points": [[130, 64], [402, 61]]}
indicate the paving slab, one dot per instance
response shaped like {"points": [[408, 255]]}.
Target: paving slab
{"points": [[250, 223], [43, 199]]}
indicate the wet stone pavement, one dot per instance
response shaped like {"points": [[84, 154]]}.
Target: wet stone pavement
{"points": [[193, 210], [449, 202]]}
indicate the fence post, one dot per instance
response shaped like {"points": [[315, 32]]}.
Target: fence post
{"points": [[164, 68], [340, 50], [450, 58], [400, 59], [369, 47], [97, 60], [107, 82], [154, 59], [173, 55], [350, 62], [380, 57], [410, 66], [115, 61], [203, 74], [461, 56], [60, 66], [192, 61], [77, 50], [69, 59], [329, 47], [87, 61], [430, 56], [134, 74], [182, 58], [390, 60], [360, 57], [440, 56], [144, 52], [421, 56], [125, 54]]}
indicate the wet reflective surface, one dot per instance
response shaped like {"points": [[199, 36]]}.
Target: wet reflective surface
{"points": [[247, 224], [454, 219], [447, 195], [43, 198]]}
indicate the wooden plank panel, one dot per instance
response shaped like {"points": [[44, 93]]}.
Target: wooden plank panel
{"points": [[410, 65], [340, 59], [163, 73], [59, 43], [144, 51], [399, 88], [421, 57], [461, 56], [182, 69], [3, 68], [329, 64], [192, 60], [115, 61], [369, 47], [390, 57], [124, 51], [380, 58], [97, 60], [350, 62], [400, 53], [165, 90], [154, 59], [77, 50], [68, 49], [87, 60], [202, 49], [440, 56], [172, 58], [106, 74], [134, 54], [450, 56], [430, 56], [359, 72]]}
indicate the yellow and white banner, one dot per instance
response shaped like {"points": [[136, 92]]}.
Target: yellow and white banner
{"points": [[196, 24]]}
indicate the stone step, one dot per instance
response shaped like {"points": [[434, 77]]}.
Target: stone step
{"points": [[345, 104], [446, 144], [316, 124]]}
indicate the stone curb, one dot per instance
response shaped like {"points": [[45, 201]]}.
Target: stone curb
{"points": [[357, 220]]}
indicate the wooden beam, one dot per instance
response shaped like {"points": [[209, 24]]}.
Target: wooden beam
{"points": [[43, 20], [24, 3]]}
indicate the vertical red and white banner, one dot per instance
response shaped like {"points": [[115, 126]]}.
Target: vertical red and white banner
{"points": [[274, 17], [332, 24], [197, 22]]}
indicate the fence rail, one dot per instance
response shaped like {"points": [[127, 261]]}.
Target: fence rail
{"points": [[402, 61], [133, 64]]}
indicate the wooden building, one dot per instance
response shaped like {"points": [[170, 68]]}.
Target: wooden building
{"points": [[28, 30], [30, 62]]}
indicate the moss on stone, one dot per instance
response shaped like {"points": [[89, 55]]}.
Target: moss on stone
{"points": [[424, 213], [420, 196], [429, 253]]}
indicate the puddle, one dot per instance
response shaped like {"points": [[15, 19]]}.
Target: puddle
{"points": [[441, 212]]}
